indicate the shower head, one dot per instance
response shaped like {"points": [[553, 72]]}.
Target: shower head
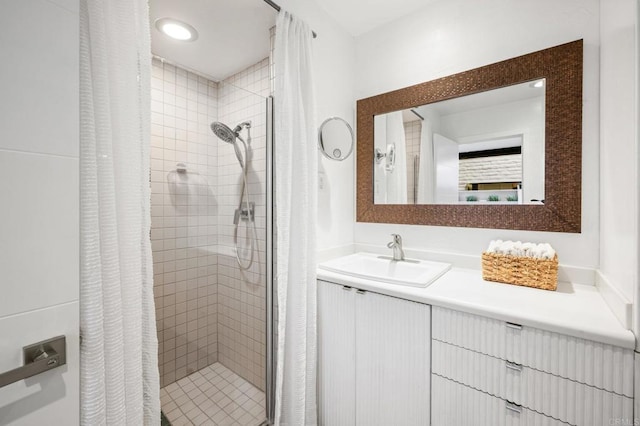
{"points": [[223, 131]]}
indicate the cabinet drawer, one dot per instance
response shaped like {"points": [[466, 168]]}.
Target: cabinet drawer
{"points": [[562, 399], [585, 361], [456, 404]]}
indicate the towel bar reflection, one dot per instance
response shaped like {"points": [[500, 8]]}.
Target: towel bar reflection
{"points": [[38, 358]]}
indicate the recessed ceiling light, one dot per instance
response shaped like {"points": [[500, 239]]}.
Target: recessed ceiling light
{"points": [[177, 30]]}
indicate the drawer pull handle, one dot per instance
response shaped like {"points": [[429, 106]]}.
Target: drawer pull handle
{"points": [[361, 291], [514, 326], [514, 407], [514, 366], [346, 288]]}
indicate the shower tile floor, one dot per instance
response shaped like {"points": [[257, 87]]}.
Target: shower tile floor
{"points": [[212, 396]]}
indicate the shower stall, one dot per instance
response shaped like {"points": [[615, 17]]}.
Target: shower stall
{"points": [[211, 240]]}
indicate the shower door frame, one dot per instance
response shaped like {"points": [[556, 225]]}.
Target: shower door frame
{"points": [[270, 268]]}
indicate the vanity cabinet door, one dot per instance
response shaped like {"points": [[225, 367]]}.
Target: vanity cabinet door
{"points": [[336, 355], [392, 361]]}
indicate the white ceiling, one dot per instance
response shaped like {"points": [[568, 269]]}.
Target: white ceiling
{"points": [[233, 34], [361, 16]]}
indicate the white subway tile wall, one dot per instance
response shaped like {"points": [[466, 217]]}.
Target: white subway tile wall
{"points": [[412, 139], [207, 308], [184, 218], [241, 294]]}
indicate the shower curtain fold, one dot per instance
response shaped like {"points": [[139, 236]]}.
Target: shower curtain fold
{"points": [[119, 382], [397, 178], [296, 171], [426, 174]]}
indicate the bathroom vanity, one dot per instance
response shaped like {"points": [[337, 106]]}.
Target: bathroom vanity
{"points": [[374, 358], [466, 351]]}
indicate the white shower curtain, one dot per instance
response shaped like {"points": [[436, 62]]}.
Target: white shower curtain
{"points": [[379, 172], [397, 179], [119, 382], [426, 169], [296, 168]]}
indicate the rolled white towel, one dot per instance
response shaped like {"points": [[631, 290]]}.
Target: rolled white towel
{"points": [[494, 246], [539, 251], [544, 251], [547, 252], [516, 250], [507, 248], [527, 249]]}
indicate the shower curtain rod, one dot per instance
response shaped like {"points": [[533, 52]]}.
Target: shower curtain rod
{"points": [[277, 8], [416, 113]]}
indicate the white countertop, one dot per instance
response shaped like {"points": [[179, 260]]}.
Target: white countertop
{"points": [[573, 309]]}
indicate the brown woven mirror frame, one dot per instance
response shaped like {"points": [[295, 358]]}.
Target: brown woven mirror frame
{"points": [[561, 66]]}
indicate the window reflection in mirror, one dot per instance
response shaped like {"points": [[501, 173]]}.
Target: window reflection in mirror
{"points": [[483, 148]]}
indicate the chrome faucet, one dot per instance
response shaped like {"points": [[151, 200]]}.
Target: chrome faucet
{"points": [[396, 246]]}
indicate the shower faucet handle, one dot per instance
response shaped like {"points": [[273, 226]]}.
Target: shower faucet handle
{"points": [[245, 214]]}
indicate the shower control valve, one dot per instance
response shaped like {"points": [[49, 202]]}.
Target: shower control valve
{"points": [[244, 214]]}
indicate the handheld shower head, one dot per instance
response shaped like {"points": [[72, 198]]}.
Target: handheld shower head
{"points": [[229, 136], [223, 131]]}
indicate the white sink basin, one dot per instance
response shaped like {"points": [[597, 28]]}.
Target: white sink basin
{"points": [[410, 272]]}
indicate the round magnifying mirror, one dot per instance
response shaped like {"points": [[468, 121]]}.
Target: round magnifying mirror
{"points": [[335, 138]]}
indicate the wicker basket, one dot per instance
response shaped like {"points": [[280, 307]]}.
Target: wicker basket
{"points": [[525, 271]]}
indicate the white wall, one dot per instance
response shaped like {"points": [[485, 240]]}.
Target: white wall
{"points": [[39, 211], [619, 153], [451, 36], [636, 296], [334, 76]]}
